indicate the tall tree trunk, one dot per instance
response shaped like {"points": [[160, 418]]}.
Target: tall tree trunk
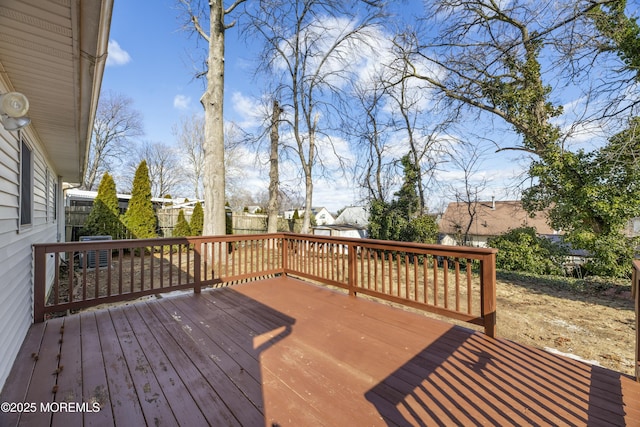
{"points": [[212, 101], [274, 178], [308, 177], [308, 203]]}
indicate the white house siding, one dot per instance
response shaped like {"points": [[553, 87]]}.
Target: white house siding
{"points": [[16, 259], [475, 241]]}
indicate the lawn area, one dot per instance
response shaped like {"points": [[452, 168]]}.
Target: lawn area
{"points": [[593, 320]]}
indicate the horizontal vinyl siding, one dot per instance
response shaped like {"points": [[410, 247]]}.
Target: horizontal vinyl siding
{"points": [[16, 253]]}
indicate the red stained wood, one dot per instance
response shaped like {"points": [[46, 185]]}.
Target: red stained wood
{"points": [[284, 352]]}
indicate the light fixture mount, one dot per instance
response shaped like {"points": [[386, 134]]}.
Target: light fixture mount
{"points": [[14, 107]]}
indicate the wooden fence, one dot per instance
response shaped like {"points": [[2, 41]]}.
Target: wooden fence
{"points": [[457, 282], [241, 222]]}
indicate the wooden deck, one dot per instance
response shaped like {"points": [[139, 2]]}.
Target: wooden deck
{"points": [[284, 352]]}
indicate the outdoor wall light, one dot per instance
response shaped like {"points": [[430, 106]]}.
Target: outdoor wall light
{"points": [[13, 111]]}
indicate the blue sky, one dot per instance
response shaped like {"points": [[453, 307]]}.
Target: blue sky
{"points": [[149, 61]]}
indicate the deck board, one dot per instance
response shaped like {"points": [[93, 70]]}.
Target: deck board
{"points": [[184, 362], [17, 384], [70, 384], [285, 352]]}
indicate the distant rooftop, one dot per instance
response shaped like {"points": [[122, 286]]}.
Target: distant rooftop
{"points": [[492, 218]]}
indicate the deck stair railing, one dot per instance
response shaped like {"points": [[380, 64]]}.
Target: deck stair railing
{"points": [[457, 282]]}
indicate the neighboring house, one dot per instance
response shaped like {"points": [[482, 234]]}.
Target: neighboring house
{"points": [[354, 215], [54, 53], [322, 215], [78, 204], [340, 230], [74, 197], [252, 209], [633, 228], [491, 219], [352, 222]]}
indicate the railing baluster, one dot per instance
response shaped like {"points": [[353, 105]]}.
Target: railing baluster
{"points": [[445, 284], [131, 259], [84, 272], [469, 285], [120, 278], [435, 281], [457, 284], [425, 285], [415, 260], [142, 253], [109, 282], [375, 261], [383, 262], [96, 284], [406, 275]]}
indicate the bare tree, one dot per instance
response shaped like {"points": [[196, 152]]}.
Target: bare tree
{"points": [[163, 163], [197, 13], [115, 125], [190, 136], [468, 160], [369, 125], [310, 48], [422, 131]]}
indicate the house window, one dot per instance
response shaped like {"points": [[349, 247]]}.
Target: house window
{"points": [[47, 196], [26, 184], [55, 200]]}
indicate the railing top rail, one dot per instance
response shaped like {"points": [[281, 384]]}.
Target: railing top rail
{"points": [[140, 243], [462, 251], [392, 244]]}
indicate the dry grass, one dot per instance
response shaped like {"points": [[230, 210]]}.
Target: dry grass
{"points": [[593, 322]]}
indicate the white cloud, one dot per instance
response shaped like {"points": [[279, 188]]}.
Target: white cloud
{"points": [[117, 55], [251, 111], [181, 102]]}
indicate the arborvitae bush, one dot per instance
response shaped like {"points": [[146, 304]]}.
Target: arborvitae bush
{"points": [[197, 220], [182, 228], [140, 218], [104, 218]]}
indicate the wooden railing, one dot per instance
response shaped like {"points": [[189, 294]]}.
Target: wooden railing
{"points": [[635, 292], [86, 274], [458, 282]]}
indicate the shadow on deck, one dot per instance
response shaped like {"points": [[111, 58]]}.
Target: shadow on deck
{"points": [[284, 352]]}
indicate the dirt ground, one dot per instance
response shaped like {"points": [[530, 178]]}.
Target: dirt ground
{"points": [[590, 322], [593, 324]]}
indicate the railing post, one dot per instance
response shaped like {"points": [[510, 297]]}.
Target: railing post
{"points": [[488, 293], [285, 254], [197, 267], [39, 282], [635, 292], [352, 269]]}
